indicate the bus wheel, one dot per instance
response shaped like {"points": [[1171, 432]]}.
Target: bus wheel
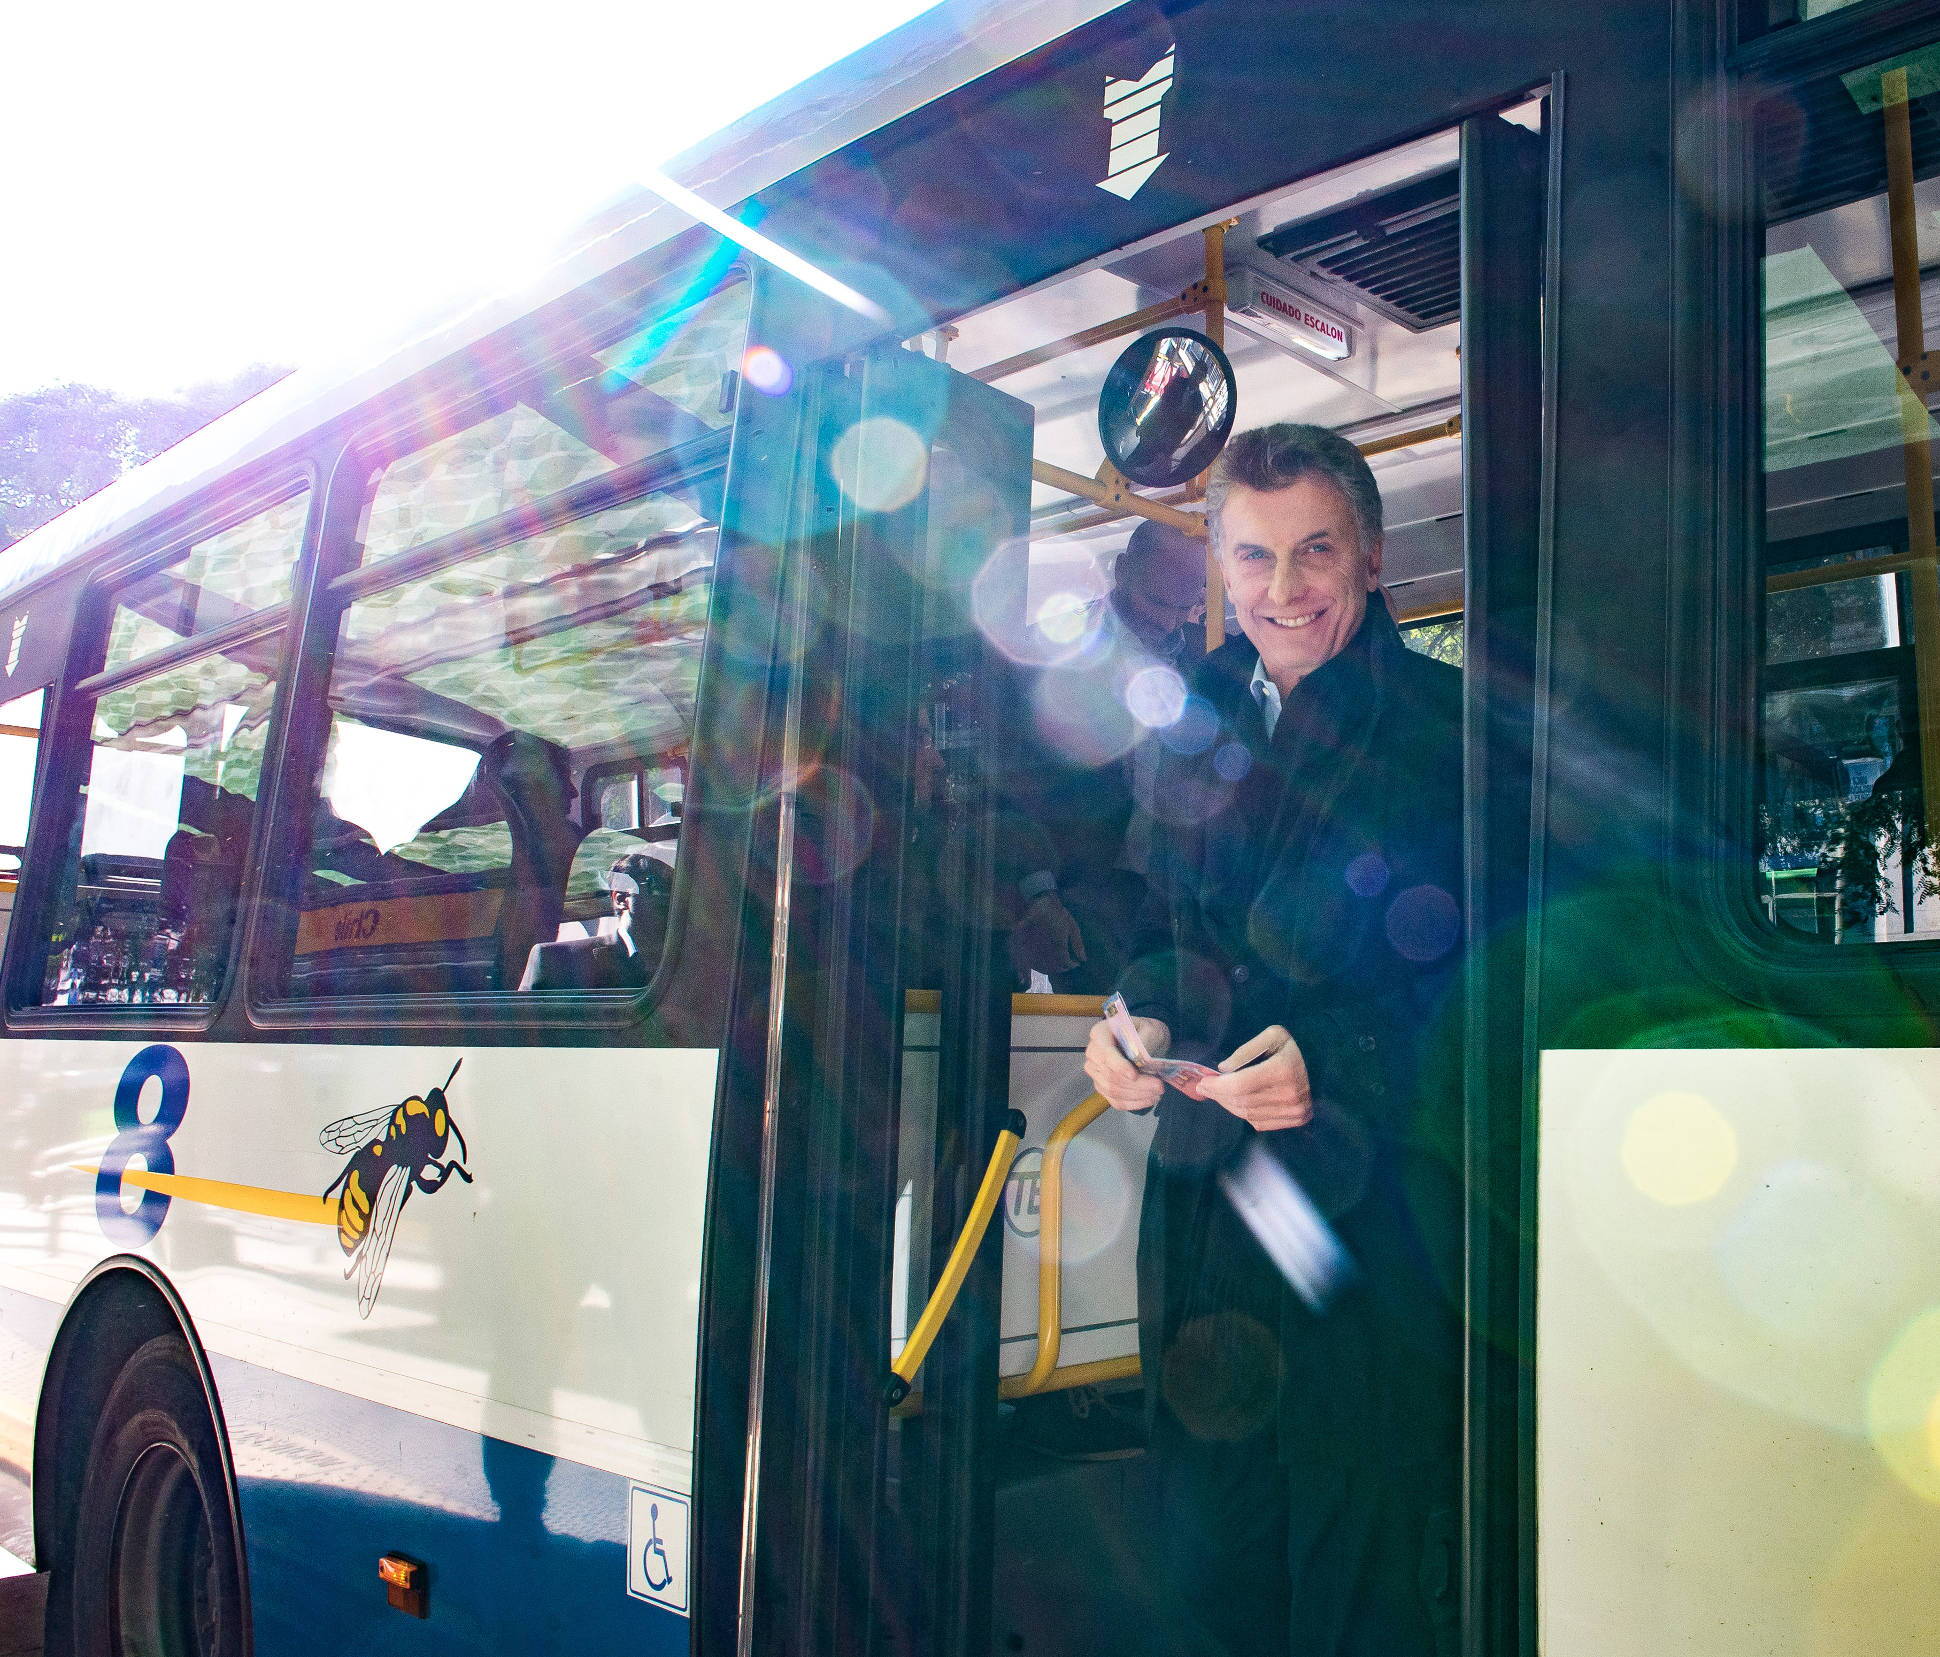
{"points": [[155, 1549]]}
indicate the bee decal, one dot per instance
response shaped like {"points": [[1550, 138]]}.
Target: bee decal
{"points": [[393, 1152]]}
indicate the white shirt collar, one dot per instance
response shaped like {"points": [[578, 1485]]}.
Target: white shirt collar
{"points": [[1267, 694]]}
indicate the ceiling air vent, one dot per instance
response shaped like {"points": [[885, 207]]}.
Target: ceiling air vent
{"points": [[1399, 252], [1824, 143]]}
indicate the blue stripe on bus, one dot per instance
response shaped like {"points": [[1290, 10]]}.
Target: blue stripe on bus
{"points": [[527, 1553]]}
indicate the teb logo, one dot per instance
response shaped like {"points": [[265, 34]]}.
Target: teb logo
{"points": [[1023, 1192]]}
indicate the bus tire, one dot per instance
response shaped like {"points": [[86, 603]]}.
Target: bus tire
{"points": [[155, 1557]]}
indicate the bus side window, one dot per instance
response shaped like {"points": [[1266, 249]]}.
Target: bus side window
{"points": [[143, 903], [146, 898], [1851, 639], [507, 730], [19, 753]]}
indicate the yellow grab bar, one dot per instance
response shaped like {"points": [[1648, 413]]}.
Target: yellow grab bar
{"points": [[1050, 1251], [908, 1361]]}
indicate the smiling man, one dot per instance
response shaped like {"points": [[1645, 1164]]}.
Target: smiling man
{"points": [[1308, 1458]]}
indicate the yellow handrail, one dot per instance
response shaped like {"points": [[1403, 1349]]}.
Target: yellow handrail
{"points": [[1050, 1251], [908, 1361]]}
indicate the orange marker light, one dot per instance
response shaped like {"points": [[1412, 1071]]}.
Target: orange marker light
{"points": [[404, 1583]]}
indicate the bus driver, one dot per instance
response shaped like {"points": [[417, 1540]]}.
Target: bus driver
{"points": [[1308, 1460]]}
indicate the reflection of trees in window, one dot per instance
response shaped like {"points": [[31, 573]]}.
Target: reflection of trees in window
{"points": [[668, 385], [1440, 639], [1841, 828], [148, 894]]}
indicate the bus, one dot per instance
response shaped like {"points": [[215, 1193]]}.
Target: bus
{"points": [[522, 1133]]}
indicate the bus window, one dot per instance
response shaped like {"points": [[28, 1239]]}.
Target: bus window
{"points": [[19, 753], [669, 384], [144, 903], [1849, 710], [1437, 636], [504, 764], [146, 897], [215, 581]]}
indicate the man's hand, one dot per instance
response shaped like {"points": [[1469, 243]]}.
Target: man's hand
{"points": [[1045, 939], [1123, 1084], [1271, 1094]]}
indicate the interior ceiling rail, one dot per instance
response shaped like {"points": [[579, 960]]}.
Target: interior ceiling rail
{"points": [[1111, 490]]}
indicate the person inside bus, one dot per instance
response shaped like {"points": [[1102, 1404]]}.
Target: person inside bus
{"points": [[1308, 1459], [1080, 862], [640, 887]]}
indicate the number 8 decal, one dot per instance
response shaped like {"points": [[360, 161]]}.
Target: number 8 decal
{"points": [[147, 1140]]}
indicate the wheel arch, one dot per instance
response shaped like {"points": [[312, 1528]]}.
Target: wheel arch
{"points": [[122, 1303]]}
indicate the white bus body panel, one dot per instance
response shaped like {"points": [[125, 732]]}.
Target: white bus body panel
{"points": [[553, 1302], [1738, 1353]]}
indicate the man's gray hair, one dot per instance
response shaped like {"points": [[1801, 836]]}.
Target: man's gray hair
{"points": [[1272, 457]]}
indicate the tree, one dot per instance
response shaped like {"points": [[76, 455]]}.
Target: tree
{"points": [[62, 443]]}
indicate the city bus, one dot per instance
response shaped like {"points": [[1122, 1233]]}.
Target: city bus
{"points": [[522, 1132]]}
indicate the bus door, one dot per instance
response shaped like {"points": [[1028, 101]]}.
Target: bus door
{"points": [[870, 1080], [943, 1470]]}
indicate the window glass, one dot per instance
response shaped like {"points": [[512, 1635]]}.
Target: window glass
{"points": [[1440, 638], [1849, 728], [506, 762], [146, 898], [1775, 14], [19, 752], [246, 568], [671, 382]]}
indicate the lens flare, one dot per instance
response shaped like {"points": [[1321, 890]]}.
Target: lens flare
{"points": [[1232, 762], [767, 370], [1903, 1407], [880, 464], [745, 235], [1813, 1254], [1367, 875], [1423, 923], [836, 826], [1195, 729], [1063, 617], [1679, 1149], [1098, 1188], [1081, 716], [1156, 697]]}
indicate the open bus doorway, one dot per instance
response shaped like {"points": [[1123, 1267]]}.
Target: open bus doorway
{"points": [[1338, 304]]}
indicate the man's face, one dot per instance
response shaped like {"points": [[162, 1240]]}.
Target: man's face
{"points": [[1162, 595], [1296, 572]]}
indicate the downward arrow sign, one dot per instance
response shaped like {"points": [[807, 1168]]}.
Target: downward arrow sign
{"points": [[1132, 179]]}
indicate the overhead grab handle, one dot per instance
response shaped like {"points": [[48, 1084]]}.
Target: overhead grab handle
{"points": [[902, 1371]]}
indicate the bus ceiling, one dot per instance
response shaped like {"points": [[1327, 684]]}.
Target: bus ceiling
{"points": [[1337, 302]]}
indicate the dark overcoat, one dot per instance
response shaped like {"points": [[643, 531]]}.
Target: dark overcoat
{"points": [[1314, 881]]}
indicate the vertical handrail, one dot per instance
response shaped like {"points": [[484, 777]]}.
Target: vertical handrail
{"points": [[903, 1368], [1050, 1243]]}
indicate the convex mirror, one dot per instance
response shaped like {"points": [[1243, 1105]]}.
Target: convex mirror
{"points": [[1167, 407]]}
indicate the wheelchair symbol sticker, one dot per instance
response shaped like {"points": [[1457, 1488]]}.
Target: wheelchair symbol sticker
{"points": [[656, 1547]]}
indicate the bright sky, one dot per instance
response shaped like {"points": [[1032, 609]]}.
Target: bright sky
{"points": [[198, 186]]}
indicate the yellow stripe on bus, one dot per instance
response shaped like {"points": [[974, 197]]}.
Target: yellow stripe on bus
{"points": [[242, 1199]]}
